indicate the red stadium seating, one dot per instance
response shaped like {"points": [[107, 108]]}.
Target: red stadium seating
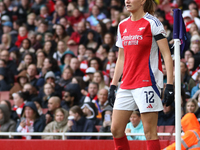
{"points": [[4, 95]]}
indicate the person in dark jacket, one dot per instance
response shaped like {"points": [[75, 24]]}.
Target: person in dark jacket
{"points": [[18, 99], [167, 115], [90, 111], [68, 99], [4, 86], [106, 119], [30, 121], [79, 123], [6, 124], [10, 64]]}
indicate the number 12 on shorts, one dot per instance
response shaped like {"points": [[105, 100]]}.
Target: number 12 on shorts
{"points": [[149, 96]]}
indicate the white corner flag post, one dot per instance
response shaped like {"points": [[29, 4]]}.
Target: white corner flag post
{"points": [[177, 94], [179, 36]]}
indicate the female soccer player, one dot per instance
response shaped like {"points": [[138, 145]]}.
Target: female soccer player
{"points": [[139, 37]]}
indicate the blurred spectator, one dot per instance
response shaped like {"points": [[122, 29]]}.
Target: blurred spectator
{"points": [[32, 72], [193, 67], [50, 78], [109, 39], [49, 91], [187, 55], [68, 28], [30, 22], [9, 63], [31, 90], [22, 34], [90, 42], [76, 17], [4, 10], [191, 106], [30, 121], [65, 59], [50, 64], [57, 126], [95, 14], [75, 88], [107, 120], [7, 28], [82, 6], [90, 111], [7, 102], [27, 59], [102, 7], [79, 80], [91, 95], [167, 115], [22, 10], [69, 99], [79, 123], [4, 85], [102, 53], [98, 78], [48, 48], [187, 82], [22, 79], [60, 33], [6, 42], [97, 64], [61, 48], [89, 75], [34, 42], [75, 66], [76, 36], [103, 99], [111, 74], [26, 47], [66, 77], [37, 102], [7, 124], [195, 48], [53, 104], [59, 13], [41, 55], [197, 87], [36, 6], [135, 126], [18, 99]]}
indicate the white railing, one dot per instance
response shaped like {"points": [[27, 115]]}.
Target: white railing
{"points": [[64, 134]]}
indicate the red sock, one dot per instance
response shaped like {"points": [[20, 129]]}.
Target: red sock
{"points": [[153, 144], [121, 143]]}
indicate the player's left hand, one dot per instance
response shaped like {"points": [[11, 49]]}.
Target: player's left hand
{"points": [[111, 95], [169, 95]]}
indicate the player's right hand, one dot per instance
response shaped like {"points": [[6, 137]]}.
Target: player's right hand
{"points": [[111, 95]]}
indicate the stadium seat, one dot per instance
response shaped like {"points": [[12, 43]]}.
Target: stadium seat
{"points": [[98, 127], [4, 95], [73, 48], [166, 129], [11, 102], [170, 129]]}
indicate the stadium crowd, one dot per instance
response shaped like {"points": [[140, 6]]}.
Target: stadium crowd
{"points": [[57, 60]]}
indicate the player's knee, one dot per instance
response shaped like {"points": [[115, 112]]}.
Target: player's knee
{"points": [[150, 135], [116, 131]]}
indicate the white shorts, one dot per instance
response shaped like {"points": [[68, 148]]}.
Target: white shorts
{"points": [[146, 99]]}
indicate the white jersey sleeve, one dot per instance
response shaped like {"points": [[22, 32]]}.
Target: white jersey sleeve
{"points": [[156, 26], [119, 39]]}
